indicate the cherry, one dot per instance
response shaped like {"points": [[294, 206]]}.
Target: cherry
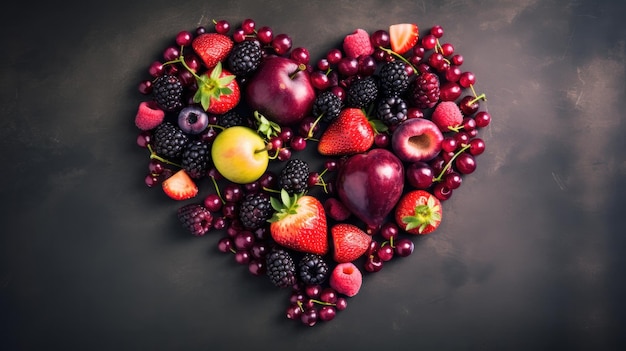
{"points": [[222, 26], [465, 163], [334, 56], [265, 35], [420, 175], [429, 41], [281, 44], [457, 60], [482, 119], [348, 66], [380, 38], [436, 31], [404, 247], [469, 105], [156, 69], [442, 191], [300, 55], [248, 26], [477, 146], [450, 91], [184, 38], [467, 79]]}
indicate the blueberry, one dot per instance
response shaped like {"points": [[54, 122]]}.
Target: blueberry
{"points": [[193, 120]]}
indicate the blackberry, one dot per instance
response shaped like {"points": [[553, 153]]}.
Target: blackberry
{"points": [[196, 158], [169, 140], [230, 119], [328, 104], [255, 209], [167, 91], [294, 176], [280, 268], [244, 57], [362, 92], [394, 80], [312, 269], [424, 92], [392, 110], [195, 218]]}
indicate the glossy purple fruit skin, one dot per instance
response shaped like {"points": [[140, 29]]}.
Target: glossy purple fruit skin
{"points": [[370, 184], [281, 91]]}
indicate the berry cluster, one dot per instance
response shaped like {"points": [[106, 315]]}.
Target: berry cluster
{"points": [[291, 223]]}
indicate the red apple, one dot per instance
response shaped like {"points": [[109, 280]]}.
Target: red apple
{"points": [[416, 139], [281, 90], [370, 184]]}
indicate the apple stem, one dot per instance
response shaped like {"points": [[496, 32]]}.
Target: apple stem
{"points": [[301, 67], [449, 164]]}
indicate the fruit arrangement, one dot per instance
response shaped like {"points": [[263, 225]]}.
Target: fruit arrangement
{"points": [[314, 173]]}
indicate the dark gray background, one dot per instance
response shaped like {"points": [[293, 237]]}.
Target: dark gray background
{"points": [[530, 254]]}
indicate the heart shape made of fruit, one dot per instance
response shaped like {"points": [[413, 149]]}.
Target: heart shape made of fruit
{"points": [[315, 172]]}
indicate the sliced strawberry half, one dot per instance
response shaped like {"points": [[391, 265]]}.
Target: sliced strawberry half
{"points": [[180, 186], [403, 37]]}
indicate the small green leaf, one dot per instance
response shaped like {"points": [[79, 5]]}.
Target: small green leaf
{"points": [[276, 204], [205, 100], [216, 72], [284, 196]]}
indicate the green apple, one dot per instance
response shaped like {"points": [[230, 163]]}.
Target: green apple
{"points": [[240, 154]]}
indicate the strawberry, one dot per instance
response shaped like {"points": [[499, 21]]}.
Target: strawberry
{"points": [[149, 115], [418, 212], [447, 116], [350, 133], [218, 91], [299, 223], [403, 37], [349, 242], [357, 44], [346, 279], [180, 186], [212, 48]]}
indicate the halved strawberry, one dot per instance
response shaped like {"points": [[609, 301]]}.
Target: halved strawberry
{"points": [[218, 91], [212, 48], [403, 36], [299, 223], [350, 133], [180, 186], [418, 212], [349, 242]]}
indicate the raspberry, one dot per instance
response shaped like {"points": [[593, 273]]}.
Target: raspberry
{"points": [[313, 269], [336, 209], [149, 115], [394, 80], [447, 114], [358, 44], [195, 218], [280, 268], [328, 104], [346, 279], [424, 92], [167, 91], [255, 209], [196, 158], [294, 176], [362, 92], [244, 58], [169, 140], [392, 110]]}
